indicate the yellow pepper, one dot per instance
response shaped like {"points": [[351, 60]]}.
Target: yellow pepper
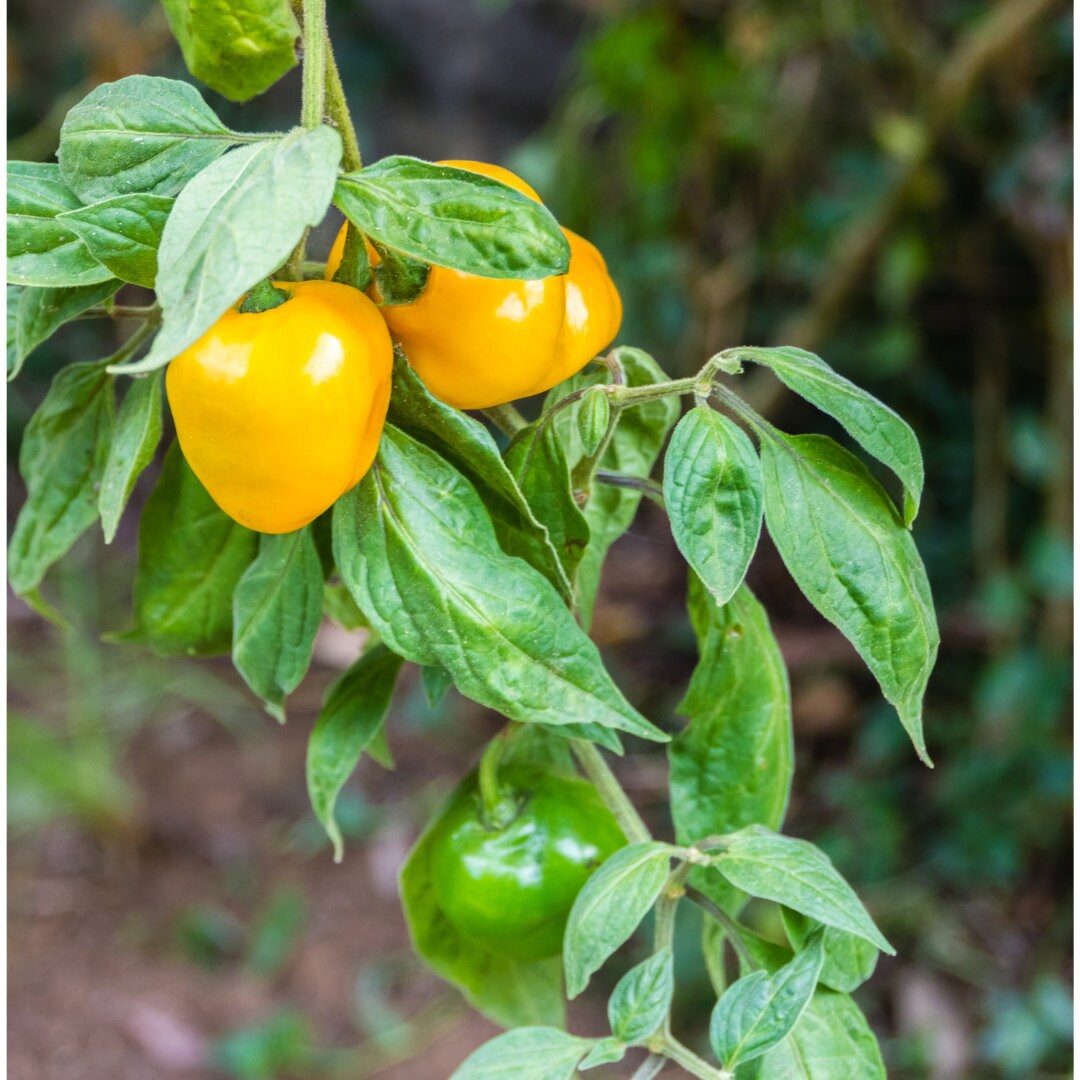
{"points": [[280, 412], [478, 342]]}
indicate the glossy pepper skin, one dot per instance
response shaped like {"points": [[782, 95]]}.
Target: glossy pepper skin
{"points": [[510, 890], [280, 412], [478, 342]]}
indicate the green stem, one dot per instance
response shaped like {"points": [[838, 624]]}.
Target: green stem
{"points": [[731, 927], [118, 311], [506, 418], [498, 810], [263, 297], [131, 346], [684, 1056], [337, 109], [610, 791], [314, 84], [650, 1067], [649, 488]]}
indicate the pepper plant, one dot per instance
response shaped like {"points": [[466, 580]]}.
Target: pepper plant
{"points": [[479, 564]]}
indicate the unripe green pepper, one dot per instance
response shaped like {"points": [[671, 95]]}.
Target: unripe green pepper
{"points": [[509, 889]]}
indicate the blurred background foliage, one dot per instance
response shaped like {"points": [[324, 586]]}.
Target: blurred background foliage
{"points": [[886, 182]]}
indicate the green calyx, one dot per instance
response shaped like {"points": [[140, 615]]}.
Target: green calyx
{"points": [[263, 297]]}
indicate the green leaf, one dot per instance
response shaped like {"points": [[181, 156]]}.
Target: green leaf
{"points": [[847, 549], [632, 451], [849, 960], [712, 491], [642, 997], [399, 278], [238, 49], [142, 134], [832, 1041], [537, 460], [417, 550], [732, 765], [123, 234], [191, 558], [352, 715], [138, 432], [468, 446], [872, 424], [610, 907], [34, 315], [277, 608], [605, 1052], [216, 243], [511, 993], [43, 250], [436, 681], [530, 1053], [800, 875], [62, 458], [454, 218], [758, 1011]]}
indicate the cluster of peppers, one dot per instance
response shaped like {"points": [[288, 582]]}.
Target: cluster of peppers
{"points": [[279, 412]]}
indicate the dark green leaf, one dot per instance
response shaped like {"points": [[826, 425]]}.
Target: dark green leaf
{"points": [[62, 458], [530, 1053], [139, 134], [191, 557], [238, 49], [872, 424], [832, 1041], [641, 999], [849, 960], [800, 875], [43, 250], [399, 278], [732, 765], [511, 993], [353, 713], [216, 243], [610, 907], [759, 1010], [712, 490], [123, 234], [454, 218], [468, 446], [536, 458], [632, 451], [277, 607], [34, 315], [138, 432], [847, 549], [417, 549]]}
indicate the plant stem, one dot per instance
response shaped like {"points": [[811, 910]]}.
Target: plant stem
{"points": [[582, 477], [131, 346], [497, 809], [684, 1056], [649, 488], [118, 311], [649, 1068], [610, 791], [506, 418], [731, 927], [314, 85], [338, 110]]}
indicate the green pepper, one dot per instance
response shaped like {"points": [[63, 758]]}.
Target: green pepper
{"points": [[509, 888]]}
